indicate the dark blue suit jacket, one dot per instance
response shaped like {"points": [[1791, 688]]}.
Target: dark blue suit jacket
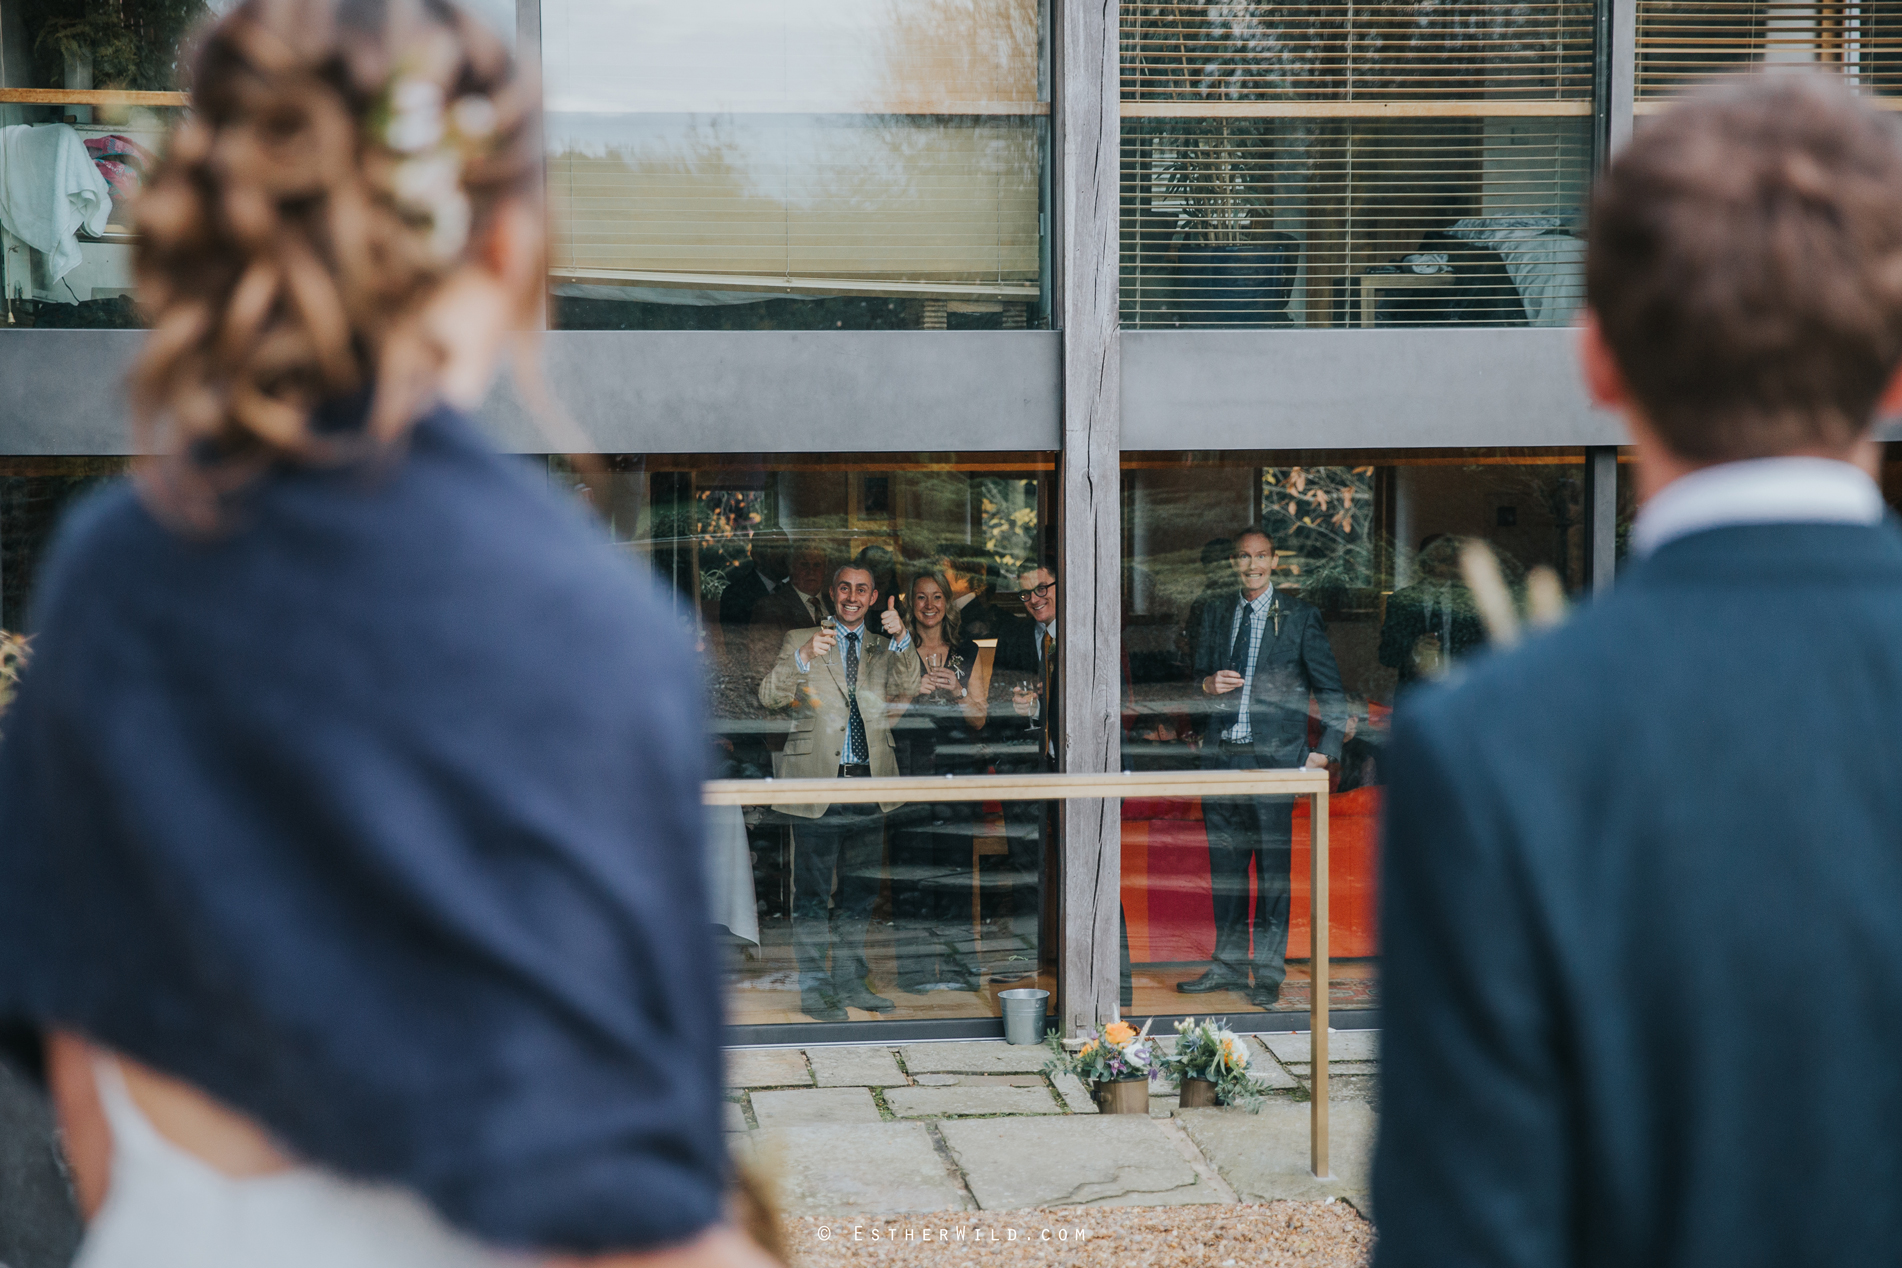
{"points": [[1643, 925], [377, 818], [1290, 666]]}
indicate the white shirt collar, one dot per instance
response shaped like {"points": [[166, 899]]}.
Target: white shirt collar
{"points": [[1759, 491], [1266, 596], [963, 601]]}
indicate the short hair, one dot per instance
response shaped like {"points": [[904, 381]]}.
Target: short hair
{"points": [[1249, 530], [1045, 563], [1745, 267], [851, 565]]}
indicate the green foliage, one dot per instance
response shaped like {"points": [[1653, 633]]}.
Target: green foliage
{"points": [[1217, 1054], [1117, 1053], [134, 43]]}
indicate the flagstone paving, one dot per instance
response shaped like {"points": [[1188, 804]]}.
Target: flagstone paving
{"points": [[978, 1125]]}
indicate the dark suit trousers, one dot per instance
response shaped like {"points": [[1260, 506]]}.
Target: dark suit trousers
{"points": [[1244, 830], [841, 850]]}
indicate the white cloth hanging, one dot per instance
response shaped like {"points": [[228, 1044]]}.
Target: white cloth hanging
{"points": [[50, 190], [730, 873]]}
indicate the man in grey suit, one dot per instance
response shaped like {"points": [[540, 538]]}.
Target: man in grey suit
{"points": [[837, 681], [1260, 656]]}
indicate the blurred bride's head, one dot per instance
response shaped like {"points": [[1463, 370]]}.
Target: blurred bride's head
{"points": [[350, 209]]}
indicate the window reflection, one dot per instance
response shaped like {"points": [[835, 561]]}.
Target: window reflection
{"points": [[863, 615], [1353, 164], [1276, 605], [825, 164]]}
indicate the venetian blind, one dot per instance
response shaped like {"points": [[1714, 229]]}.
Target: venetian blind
{"points": [[1350, 164], [1681, 42]]}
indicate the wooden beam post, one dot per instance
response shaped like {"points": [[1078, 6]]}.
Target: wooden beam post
{"points": [[1086, 150]]}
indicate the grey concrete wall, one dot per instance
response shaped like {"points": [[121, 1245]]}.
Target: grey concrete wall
{"points": [[61, 391], [786, 391], [1286, 389]]}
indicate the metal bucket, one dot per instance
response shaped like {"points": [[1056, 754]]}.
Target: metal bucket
{"points": [[1197, 1094], [1023, 1014], [1123, 1096]]}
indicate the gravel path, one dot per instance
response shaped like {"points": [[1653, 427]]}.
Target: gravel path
{"points": [[1271, 1235]]}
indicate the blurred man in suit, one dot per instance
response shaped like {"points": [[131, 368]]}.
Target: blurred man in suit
{"points": [[1587, 936], [837, 681], [1261, 657], [966, 570], [762, 574]]}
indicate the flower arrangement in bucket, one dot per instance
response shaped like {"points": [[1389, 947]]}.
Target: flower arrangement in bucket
{"points": [[1210, 1066], [1117, 1064]]}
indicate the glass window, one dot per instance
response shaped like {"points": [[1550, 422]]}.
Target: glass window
{"points": [[104, 77], [1353, 594], [1352, 164], [735, 165], [1683, 41], [911, 910], [109, 75]]}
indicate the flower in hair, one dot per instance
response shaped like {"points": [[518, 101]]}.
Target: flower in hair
{"points": [[435, 145], [415, 116]]}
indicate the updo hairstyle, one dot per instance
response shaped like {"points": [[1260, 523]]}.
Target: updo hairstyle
{"points": [[339, 161]]}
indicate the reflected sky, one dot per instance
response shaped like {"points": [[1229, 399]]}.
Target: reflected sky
{"points": [[721, 56]]}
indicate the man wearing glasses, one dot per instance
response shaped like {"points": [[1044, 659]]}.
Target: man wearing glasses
{"points": [[1026, 664]]}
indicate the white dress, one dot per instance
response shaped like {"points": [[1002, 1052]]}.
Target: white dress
{"points": [[167, 1208]]}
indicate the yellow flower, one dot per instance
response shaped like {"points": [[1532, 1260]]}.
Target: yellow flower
{"points": [[1119, 1033], [1087, 1049]]}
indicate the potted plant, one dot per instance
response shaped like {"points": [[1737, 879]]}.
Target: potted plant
{"points": [[1230, 270], [1116, 1064], [1210, 1067]]}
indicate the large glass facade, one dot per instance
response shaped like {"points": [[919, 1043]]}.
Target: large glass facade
{"points": [[1351, 561], [737, 165], [1351, 164], [911, 909]]}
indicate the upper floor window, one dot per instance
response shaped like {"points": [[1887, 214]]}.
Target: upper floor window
{"points": [[819, 164], [1351, 164]]}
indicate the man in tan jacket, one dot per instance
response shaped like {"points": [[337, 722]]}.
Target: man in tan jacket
{"points": [[837, 682]]}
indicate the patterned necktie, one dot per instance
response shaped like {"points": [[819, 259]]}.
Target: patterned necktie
{"points": [[855, 747]]}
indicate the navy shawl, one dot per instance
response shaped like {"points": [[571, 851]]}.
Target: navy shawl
{"points": [[377, 817]]}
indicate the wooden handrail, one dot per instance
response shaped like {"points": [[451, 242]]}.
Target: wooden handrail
{"points": [[1304, 782], [90, 97]]}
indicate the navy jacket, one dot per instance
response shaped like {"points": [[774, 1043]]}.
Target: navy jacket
{"points": [[1642, 948], [1290, 667], [377, 818]]}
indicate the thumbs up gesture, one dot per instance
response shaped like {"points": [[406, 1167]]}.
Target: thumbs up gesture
{"points": [[892, 623]]}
